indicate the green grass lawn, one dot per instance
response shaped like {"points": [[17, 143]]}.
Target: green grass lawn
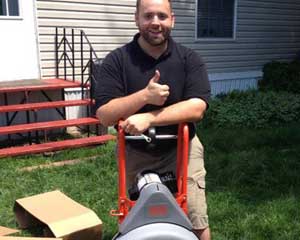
{"points": [[253, 182]]}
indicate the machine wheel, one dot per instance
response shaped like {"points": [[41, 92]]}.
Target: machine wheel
{"points": [[158, 231]]}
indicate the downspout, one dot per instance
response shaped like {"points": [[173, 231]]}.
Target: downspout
{"points": [[37, 37]]}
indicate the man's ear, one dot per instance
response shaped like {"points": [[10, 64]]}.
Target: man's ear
{"points": [[136, 18], [173, 19]]}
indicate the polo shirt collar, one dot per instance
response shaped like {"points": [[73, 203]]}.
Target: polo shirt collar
{"points": [[165, 54]]}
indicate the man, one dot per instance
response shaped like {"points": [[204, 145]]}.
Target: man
{"points": [[153, 81]]}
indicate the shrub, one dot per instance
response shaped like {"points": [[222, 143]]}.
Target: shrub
{"points": [[281, 76], [253, 109]]}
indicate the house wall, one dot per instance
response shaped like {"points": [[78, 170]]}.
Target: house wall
{"points": [[265, 30], [18, 45]]}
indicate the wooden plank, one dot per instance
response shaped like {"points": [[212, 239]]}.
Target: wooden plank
{"points": [[44, 105], [21, 128], [55, 146], [57, 164]]}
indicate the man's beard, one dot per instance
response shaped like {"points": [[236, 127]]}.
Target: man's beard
{"points": [[153, 41]]}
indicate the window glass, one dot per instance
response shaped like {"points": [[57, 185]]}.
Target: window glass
{"points": [[2, 7], [215, 18], [9, 8], [13, 8]]}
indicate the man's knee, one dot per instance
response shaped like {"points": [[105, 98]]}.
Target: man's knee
{"points": [[203, 234]]}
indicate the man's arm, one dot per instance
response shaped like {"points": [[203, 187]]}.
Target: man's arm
{"points": [[123, 107], [191, 110]]}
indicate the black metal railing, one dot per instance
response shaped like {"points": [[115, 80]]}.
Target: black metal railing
{"points": [[69, 43]]}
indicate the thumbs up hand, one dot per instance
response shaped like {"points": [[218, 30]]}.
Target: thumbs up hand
{"points": [[156, 93]]}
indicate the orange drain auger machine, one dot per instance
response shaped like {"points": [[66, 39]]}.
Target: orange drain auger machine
{"points": [[153, 213]]}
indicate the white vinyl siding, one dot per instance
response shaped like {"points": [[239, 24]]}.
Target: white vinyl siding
{"points": [[108, 25], [266, 30]]}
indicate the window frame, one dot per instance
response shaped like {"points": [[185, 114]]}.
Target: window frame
{"points": [[8, 17], [234, 27]]}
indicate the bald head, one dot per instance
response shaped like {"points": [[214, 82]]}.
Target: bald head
{"points": [[138, 3]]}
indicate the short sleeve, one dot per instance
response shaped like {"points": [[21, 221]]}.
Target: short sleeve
{"points": [[109, 83], [197, 83]]}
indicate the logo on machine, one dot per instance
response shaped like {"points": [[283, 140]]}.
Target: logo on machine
{"points": [[160, 210]]}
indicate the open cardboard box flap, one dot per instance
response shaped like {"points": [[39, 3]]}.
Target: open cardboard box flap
{"points": [[63, 216], [7, 231], [26, 238]]}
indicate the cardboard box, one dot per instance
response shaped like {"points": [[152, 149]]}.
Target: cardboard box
{"points": [[61, 216], [7, 231], [26, 238]]}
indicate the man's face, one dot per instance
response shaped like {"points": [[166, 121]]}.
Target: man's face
{"points": [[155, 19]]}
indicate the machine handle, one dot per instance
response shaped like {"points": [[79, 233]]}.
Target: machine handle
{"points": [[182, 160], [149, 139]]}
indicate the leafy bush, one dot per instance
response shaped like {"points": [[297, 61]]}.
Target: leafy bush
{"points": [[254, 109], [281, 76]]}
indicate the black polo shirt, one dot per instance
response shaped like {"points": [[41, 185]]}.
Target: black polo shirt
{"points": [[128, 69]]}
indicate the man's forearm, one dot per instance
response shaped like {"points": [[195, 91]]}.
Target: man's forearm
{"points": [[191, 110], [120, 108]]}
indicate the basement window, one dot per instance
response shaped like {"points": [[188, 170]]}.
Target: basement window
{"points": [[9, 8], [215, 19]]}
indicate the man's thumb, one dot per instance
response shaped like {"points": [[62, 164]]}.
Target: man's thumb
{"points": [[156, 77]]}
